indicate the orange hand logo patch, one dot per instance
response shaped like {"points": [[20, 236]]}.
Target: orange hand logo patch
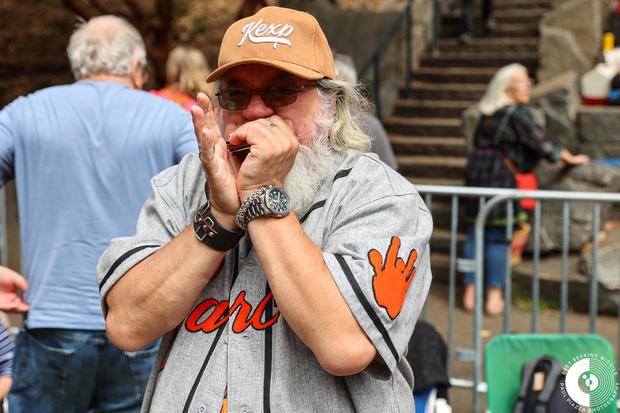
{"points": [[392, 277]]}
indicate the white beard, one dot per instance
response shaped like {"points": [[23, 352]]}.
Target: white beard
{"points": [[313, 164]]}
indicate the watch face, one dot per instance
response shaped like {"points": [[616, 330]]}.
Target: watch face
{"points": [[278, 201]]}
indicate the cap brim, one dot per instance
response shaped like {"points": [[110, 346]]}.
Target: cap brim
{"points": [[296, 70]]}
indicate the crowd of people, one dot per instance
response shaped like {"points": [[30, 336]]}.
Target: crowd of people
{"points": [[244, 243]]}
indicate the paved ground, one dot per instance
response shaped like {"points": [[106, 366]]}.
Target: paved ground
{"points": [[549, 322]]}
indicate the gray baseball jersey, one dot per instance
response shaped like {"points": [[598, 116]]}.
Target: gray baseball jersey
{"points": [[373, 229]]}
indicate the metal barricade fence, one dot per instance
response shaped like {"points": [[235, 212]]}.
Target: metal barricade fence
{"points": [[490, 198]]}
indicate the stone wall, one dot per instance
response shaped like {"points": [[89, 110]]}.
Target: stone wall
{"points": [[570, 37], [598, 131], [558, 99]]}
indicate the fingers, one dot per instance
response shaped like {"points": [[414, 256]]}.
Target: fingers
{"points": [[376, 260], [410, 269], [13, 303], [20, 282], [409, 279], [203, 101], [198, 118], [229, 128], [9, 299], [273, 132], [10, 279], [273, 149], [392, 252], [580, 159], [203, 117], [206, 128], [205, 104]]}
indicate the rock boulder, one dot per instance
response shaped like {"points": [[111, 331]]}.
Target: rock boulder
{"points": [[558, 98], [570, 38], [590, 177]]}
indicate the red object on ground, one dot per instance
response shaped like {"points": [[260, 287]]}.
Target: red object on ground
{"points": [[594, 101]]}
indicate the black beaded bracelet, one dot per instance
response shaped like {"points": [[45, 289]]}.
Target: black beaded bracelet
{"points": [[211, 233]]}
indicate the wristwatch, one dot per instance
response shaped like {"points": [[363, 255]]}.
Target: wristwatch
{"points": [[265, 201]]}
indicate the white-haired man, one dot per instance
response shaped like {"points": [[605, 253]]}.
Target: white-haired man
{"points": [[262, 309], [82, 156]]}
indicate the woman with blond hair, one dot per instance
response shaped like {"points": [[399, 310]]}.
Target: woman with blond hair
{"points": [[186, 74], [505, 133]]}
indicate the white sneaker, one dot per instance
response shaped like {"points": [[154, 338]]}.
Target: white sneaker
{"points": [[442, 406]]}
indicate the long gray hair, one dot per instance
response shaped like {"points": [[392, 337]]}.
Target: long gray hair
{"points": [[495, 97], [347, 105], [105, 45]]}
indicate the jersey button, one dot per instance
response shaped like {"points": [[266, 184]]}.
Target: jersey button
{"points": [[202, 409], [245, 408]]}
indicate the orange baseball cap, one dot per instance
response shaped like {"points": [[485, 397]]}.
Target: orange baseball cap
{"points": [[286, 39]]}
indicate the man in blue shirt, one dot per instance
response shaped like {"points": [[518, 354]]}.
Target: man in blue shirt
{"points": [[82, 156]]}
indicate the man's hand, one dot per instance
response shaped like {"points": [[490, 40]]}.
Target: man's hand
{"points": [[10, 301], [219, 166], [392, 277], [271, 157]]}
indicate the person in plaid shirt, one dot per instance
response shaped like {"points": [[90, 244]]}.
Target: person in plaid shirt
{"points": [[506, 127]]}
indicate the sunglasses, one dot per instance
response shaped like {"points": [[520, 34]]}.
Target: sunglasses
{"points": [[272, 96]]}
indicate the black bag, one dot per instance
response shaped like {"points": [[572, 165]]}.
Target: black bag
{"points": [[541, 388]]}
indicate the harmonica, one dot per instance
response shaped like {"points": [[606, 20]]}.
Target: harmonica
{"points": [[237, 148]]}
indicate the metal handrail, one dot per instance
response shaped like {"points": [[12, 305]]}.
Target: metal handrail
{"points": [[436, 24], [375, 58]]}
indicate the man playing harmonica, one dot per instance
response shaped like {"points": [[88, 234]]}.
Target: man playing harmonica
{"points": [[286, 279]]}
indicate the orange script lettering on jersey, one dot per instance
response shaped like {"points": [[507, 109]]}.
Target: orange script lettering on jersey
{"points": [[202, 318]]}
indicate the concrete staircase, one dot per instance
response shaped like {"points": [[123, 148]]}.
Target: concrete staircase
{"points": [[425, 131]]}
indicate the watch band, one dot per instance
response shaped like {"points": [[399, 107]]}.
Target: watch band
{"points": [[211, 233], [252, 207]]}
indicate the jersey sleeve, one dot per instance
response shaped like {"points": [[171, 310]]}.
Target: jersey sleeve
{"points": [[161, 219], [378, 255]]}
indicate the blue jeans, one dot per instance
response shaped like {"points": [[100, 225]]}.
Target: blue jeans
{"points": [[495, 258], [57, 370]]}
